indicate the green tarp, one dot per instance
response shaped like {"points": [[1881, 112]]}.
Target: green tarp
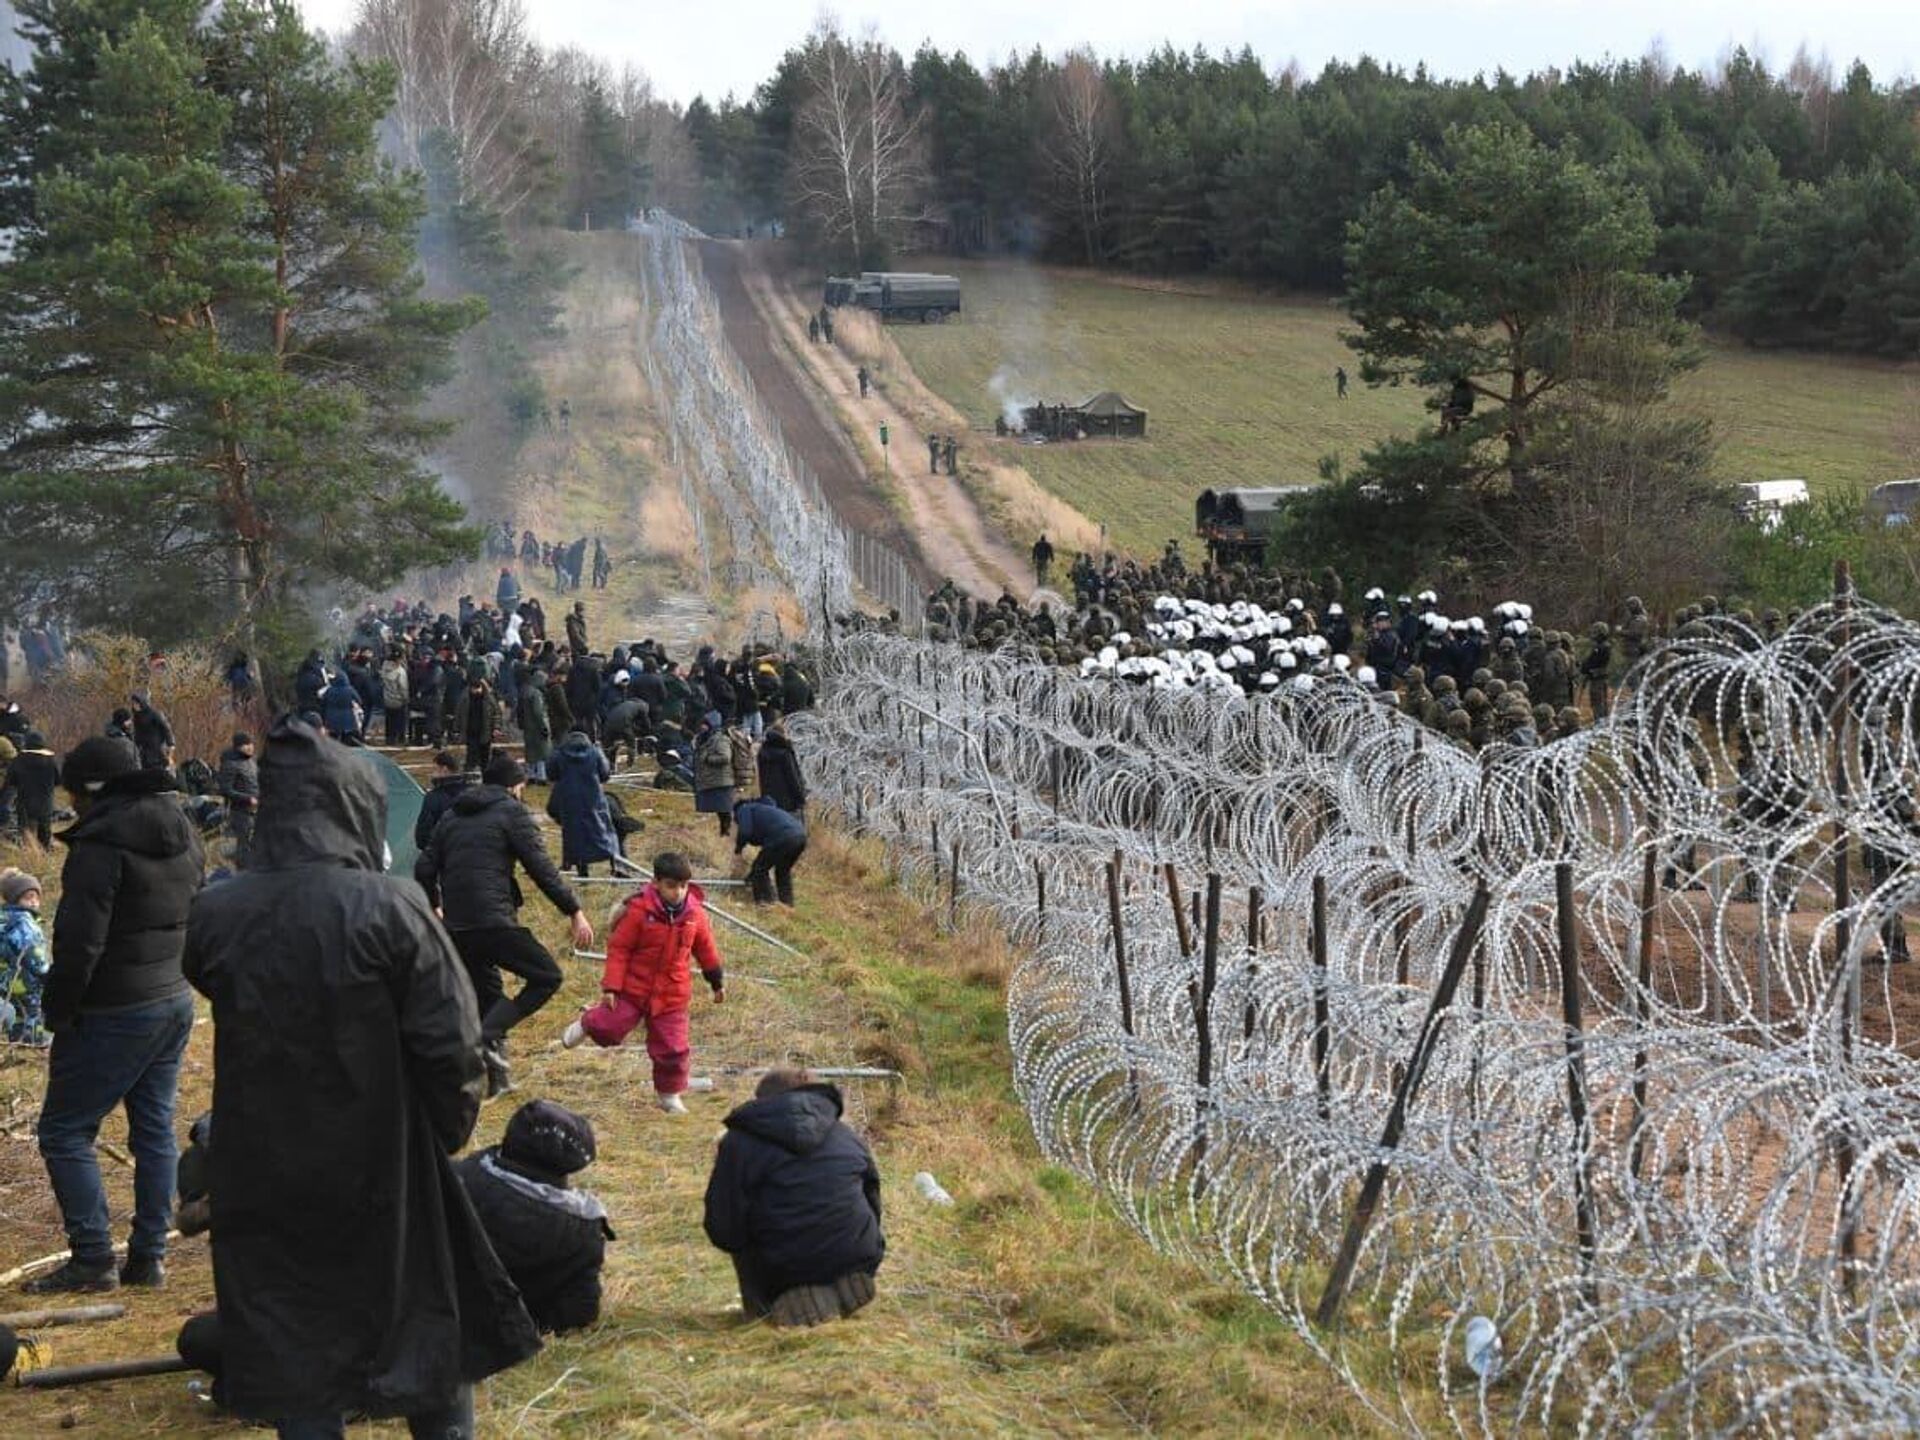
{"points": [[403, 808]]}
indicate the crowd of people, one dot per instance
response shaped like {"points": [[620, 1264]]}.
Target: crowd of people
{"points": [[566, 559], [360, 1019], [1478, 679]]}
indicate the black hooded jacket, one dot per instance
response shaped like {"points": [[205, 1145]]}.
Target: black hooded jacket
{"points": [[133, 864], [797, 1190], [780, 777], [552, 1240], [351, 1272], [439, 799], [467, 867]]}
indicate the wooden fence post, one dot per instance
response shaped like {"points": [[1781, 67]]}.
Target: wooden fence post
{"points": [[1335, 1295], [1119, 942], [1322, 1020], [1576, 1074], [1179, 912]]}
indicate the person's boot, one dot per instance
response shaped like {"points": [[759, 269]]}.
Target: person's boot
{"points": [[74, 1277], [763, 889], [146, 1271], [499, 1072], [784, 884]]}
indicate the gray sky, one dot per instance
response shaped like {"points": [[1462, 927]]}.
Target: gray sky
{"points": [[713, 46]]}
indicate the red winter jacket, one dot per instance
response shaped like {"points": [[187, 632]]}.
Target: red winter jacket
{"points": [[647, 952]]}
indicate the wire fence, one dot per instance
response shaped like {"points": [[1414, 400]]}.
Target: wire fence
{"points": [[1573, 1068]]}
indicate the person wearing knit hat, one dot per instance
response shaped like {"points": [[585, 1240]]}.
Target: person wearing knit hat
{"points": [[24, 961], [552, 1238]]}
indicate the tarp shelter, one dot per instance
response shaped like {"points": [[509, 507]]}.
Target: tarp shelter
{"points": [[404, 797], [1111, 413]]}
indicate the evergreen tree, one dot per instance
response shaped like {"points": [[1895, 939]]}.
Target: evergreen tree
{"points": [[214, 342]]}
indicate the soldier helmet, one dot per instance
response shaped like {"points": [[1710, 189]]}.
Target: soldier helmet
{"points": [[1494, 689], [1445, 685], [1475, 699], [1635, 604], [1458, 720], [1598, 630], [1567, 721], [1543, 717], [1416, 675]]}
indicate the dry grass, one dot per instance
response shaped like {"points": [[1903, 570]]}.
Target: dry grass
{"points": [[1027, 1308], [666, 528], [104, 669]]}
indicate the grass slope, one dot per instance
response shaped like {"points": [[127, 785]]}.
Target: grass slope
{"points": [[1026, 1308], [1240, 390]]}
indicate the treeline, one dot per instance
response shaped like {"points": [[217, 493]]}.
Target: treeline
{"points": [[1791, 198]]}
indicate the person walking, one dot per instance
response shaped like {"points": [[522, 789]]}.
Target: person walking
{"points": [[713, 777], [32, 777], [536, 730], [152, 733], [467, 871], [1339, 382], [238, 781], [476, 716], [394, 697], [1042, 560], [351, 1272], [580, 771], [448, 784], [782, 839], [865, 381], [933, 454], [118, 1006]]}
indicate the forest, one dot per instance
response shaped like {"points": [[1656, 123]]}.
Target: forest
{"points": [[1789, 197]]}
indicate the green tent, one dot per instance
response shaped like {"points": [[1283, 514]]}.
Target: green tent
{"points": [[404, 796]]}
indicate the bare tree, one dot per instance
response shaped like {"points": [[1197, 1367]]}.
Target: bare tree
{"points": [[859, 164], [1080, 146], [463, 67]]}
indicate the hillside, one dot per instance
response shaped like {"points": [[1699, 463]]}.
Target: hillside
{"points": [[1240, 389]]}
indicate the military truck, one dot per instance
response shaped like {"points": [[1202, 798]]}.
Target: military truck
{"points": [[898, 294], [1236, 524]]}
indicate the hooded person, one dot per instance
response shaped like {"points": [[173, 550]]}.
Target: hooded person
{"points": [[152, 733], [31, 778], [579, 771], [794, 1199], [780, 778], [713, 777], [351, 1272], [552, 1238]]}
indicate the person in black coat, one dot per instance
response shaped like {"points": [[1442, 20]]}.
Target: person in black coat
{"points": [[238, 781], [449, 783], [794, 1198], [117, 1005], [152, 734], [467, 871], [552, 1239], [31, 780], [780, 777], [782, 839], [351, 1272]]}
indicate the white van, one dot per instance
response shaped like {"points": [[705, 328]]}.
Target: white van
{"points": [[1895, 502], [1762, 501]]}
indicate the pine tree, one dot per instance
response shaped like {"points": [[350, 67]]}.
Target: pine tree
{"points": [[214, 343]]}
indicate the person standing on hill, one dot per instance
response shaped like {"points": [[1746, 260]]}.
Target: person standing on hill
{"points": [[933, 454], [118, 1007], [31, 779], [467, 871], [238, 781], [781, 780], [352, 1274], [152, 733], [1340, 382], [1042, 560], [577, 629], [864, 379]]}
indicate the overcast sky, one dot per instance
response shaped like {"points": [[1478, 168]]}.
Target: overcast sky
{"points": [[710, 47]]}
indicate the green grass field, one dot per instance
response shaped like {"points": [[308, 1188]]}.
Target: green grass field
{"points": [[1240, 390]]}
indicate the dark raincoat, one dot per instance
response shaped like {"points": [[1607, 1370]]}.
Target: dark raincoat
{"points": [[578, 769], [351, 1271]]}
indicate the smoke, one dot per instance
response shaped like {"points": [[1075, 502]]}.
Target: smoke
{"points": [[1013, 398], [1039, 346]]}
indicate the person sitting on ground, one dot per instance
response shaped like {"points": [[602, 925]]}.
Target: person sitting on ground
{"points": [[24, 960], [782, 839], [794, 1199], [648, 979], [552, 1239]]}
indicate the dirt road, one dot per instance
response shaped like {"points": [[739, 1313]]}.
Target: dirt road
{"points": [[948, 535]]}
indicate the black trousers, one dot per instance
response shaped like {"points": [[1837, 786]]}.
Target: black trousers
{"points": [[507, 947], [776, 861]]}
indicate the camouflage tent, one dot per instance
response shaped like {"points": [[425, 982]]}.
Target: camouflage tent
{"points": [[1111, 413], [404, 796]]}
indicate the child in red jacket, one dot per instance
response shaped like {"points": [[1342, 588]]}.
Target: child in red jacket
{"points": [[648, 978]]}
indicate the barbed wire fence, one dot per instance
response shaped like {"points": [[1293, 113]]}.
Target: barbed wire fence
{"points": [[1568, 1079], [1584, 1042], [783, 531]]}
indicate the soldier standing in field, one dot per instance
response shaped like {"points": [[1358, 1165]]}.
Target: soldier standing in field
{"points": [[1042, 560], [953, 455], [933, 454], [864, 380], [1340, 382]]}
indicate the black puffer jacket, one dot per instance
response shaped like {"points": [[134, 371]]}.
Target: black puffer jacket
{"points": [[551, 1239], [797, 1190], [438, 800], [467, 867], [134, 864], [780, 777]]}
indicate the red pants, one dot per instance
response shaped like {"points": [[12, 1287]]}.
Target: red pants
{"points": [[666, 1038]]}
